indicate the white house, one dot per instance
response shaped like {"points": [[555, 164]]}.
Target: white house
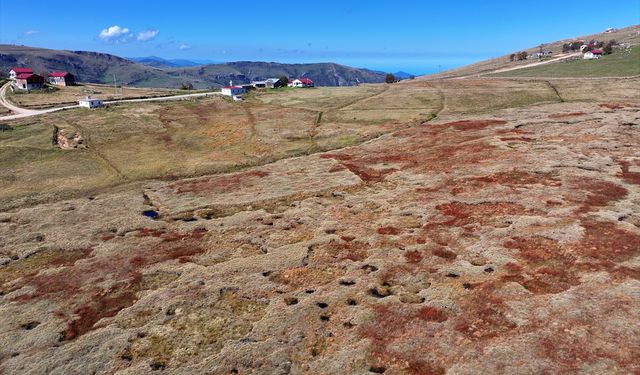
{"points": [[233, 91], [301, 82], [594, 54], [14, 72], [88, 102], [28, 81]]}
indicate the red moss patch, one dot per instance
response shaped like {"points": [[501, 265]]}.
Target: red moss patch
{"points": [[219, 184], [517, 139], [612, 106], [480, 213], [79, 284], [483, 315], [626, 175], [389, 231], [396, 322], [351, 250], [413, 256], [565, 115], [595, 193], [517, 178]]}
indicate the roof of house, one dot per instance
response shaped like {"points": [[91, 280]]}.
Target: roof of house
{"points": [[58, 74], [596, 52], [22, 70], [305, 80], [26, 75]]}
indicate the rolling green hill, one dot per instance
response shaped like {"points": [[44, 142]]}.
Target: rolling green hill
{"points": [[623, 62]]}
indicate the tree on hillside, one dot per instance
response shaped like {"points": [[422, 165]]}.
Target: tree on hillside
{"points": [[607, 49], [284, 81], [522, 55], [390, 78], [512, 57]]}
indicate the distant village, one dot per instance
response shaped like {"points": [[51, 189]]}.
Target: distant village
{"points": [[591, 50], [237, 91], [24, 79]]}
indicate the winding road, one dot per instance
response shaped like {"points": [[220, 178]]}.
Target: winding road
{"points": [[23, 112]]}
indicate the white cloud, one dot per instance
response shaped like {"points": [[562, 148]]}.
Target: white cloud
{"points": [[184, 46], [115, 34], [147, 35], [30, 32]]}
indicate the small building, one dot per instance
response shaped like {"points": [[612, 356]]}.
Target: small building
{"points": [[233, 91], [89, 102], [301, 82], [269, 83], [61, 79], [273, 83], [610, 30], [593, 54], [29, 81], [14, 72]]}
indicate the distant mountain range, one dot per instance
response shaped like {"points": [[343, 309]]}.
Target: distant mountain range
{"points": [[97, 67], [160, 63]]}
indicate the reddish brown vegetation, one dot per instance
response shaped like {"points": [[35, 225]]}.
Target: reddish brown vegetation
{"points": [[612, 105], [395, 322], [388, 231], [625, 174], [351, 250], [517, 139], [516, 178], [551, 268], [219, 184], [483, 315], [591, 192], [79, 282], [413, 256], [480, 213], [565, 115]]}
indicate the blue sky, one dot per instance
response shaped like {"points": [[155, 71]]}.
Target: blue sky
{"points": [[410, 35]]}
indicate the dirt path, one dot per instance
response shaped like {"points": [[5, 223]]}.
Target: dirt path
{"points": [[23, 112]]}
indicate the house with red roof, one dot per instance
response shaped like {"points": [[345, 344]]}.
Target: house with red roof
{"points": [[13, 73], [29, 81], [593, 54], [301, 82], [61, 79]]}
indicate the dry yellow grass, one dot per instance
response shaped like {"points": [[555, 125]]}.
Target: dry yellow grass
{"points": [[132, 142], [71, 94]]}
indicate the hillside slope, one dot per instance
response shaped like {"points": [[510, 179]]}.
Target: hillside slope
{"points": [[323, 74], [99, 67], [93, 67], [628, 35], [623, 62]]}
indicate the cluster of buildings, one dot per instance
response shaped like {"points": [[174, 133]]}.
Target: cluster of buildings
{"points": [[236, 91], [25, 79]]}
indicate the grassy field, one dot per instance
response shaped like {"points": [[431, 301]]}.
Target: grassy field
{"points": [[55, 95], [623, 62], [135, 142]]}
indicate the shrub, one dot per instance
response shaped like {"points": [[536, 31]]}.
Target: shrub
{"points": [[390, 78]]}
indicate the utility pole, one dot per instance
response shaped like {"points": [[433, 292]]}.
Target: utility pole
{"points": [[115, 89]]}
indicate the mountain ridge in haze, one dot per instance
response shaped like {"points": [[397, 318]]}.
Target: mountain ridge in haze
{"points": [[98, 67]]}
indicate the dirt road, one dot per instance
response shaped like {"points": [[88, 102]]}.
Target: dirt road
{"points": [[23, 112]]}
